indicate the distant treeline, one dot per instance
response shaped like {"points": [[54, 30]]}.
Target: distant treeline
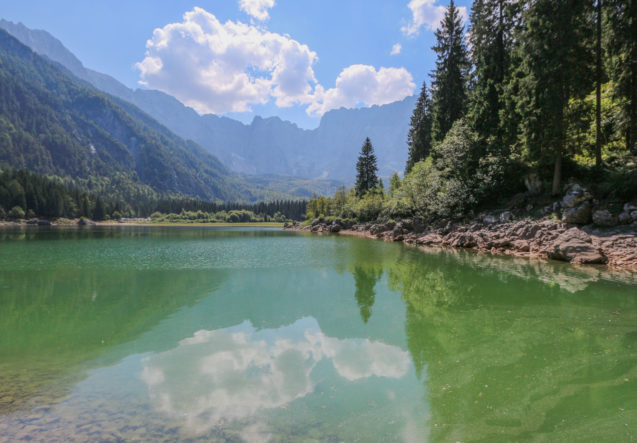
{"points": [[24, 194]]}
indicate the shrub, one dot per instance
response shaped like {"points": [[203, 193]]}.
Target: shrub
{"points": [[16, 213]]}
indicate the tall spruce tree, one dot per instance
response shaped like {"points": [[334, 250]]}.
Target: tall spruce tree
{"points": [[556, 67], [622, 16], [419, 136], [492, 26], [449, 86], [366, 169]]}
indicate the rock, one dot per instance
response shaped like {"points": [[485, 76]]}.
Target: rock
{"points": [[556, 206], [604, 218], [633, 215], [335, 228], [490, 219], [32, 222], [85, 222], [418, 225], [506, 217], [575, 194], [630, 207], [529, 207], [521, 245], [44, 222], [579, 215], [533, 183], [576, 246], [624, 218], [316, 221], [429, 239]]}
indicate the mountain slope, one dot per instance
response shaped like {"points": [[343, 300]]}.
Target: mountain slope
{"points": [[54, 125], [268, 145]]}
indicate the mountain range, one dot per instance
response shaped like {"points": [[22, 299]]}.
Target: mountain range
{"points": [[266, 147]]}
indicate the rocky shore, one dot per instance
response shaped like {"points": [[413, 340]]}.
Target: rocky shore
{"points": [[582, 236]]}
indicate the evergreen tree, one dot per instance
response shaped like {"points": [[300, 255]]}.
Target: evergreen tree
{"points": [[493, 23], [99, 213], [622, 16], [556, 67], [419, 136], [449, 86], [366, 169]]}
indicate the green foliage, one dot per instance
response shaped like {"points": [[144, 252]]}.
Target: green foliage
{"points": [[366, 169], [419, 136], [16, 213], [449, 86]]}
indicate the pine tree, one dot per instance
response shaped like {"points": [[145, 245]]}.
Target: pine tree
{"points": [[449, 86], [99, 213], [366, 169], [419, 136], [556, 67], [491, 38], [623, 51]]}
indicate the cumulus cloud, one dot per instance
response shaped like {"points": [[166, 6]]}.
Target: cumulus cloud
{"points": [[395, 50], [363, 84], [232, 374], [257, 8], [219, 67], [425, 13]]}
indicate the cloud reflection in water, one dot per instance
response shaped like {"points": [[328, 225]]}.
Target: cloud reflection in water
{"points": [[216, 377]]}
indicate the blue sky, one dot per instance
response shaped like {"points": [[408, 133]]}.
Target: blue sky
{"points": [[292, 58]]}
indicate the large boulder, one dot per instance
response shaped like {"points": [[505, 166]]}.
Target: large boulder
{"points": [[574, 195], [579, 215], [576, 246], [604, 218]]}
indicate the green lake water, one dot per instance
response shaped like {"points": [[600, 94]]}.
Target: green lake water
{"points": [[239, 334]]}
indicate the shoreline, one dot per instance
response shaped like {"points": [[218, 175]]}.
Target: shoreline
{"points": [[75, 223], [543, 240]]}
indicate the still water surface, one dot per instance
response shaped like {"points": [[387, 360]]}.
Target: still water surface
{"points": [[238, 334]]}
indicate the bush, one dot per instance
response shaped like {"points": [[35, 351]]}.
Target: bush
{"points": [[16, 213]]}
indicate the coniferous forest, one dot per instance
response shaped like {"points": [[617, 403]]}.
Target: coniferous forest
{"points": [[541, 91]]}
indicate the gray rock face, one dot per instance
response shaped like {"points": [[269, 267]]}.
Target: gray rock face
{"points": [[576, 246], [574, 195], [625, 218], [506, 217], [579, 215], [604, 218]]}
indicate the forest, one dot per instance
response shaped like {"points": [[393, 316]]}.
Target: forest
{"points": [[24, 194], [524, 98]]}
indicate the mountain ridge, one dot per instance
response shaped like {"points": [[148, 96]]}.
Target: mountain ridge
{"points": [[268, 145]]}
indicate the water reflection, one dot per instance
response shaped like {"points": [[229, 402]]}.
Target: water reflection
{"points": [[521, 361], [366, 280], [55, 325], [215, 377]]}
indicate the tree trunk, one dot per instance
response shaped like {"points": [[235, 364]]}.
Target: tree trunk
{"points": [[557, 174]]}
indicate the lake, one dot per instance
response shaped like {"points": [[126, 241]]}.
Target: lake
{"points": [[238, 334]]}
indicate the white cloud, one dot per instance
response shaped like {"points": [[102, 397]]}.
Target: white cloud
{"points": [[257, 8], [219, 67], [223, 376], [362, 84], [395, 50], [425, 13]]}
